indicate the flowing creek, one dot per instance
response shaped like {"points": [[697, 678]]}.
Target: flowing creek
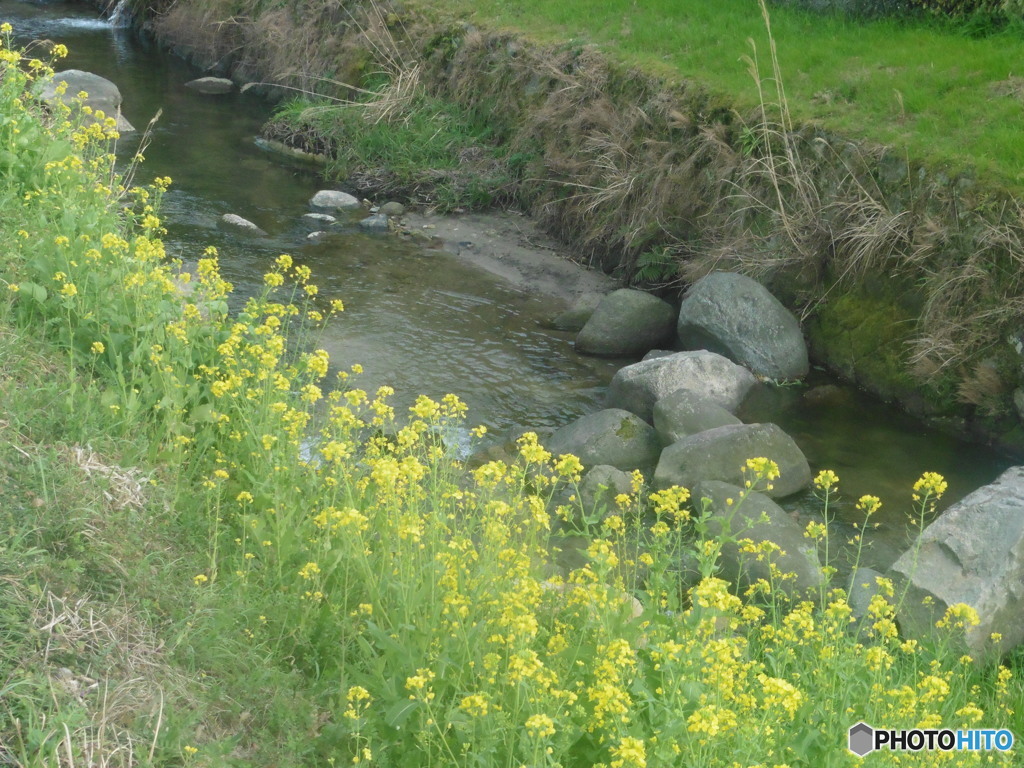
{"points": [[426, 321]]}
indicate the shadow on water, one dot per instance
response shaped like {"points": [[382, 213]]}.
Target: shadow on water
{"points": [[874, 449], [423, 321]]}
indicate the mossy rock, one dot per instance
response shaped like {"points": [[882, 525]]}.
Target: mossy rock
{"points": [[863, 336]]}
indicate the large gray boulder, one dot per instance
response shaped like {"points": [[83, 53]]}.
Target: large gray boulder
{"points": [[614, 437], [758, 518], [684, 413], [639, 386], [972, 553], [722, 453], [626, 322], [737, 317], [331, 200], [103, 95]]}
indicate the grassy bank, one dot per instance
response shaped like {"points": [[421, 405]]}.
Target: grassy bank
{"points": [[269, 568], [926, 89]]}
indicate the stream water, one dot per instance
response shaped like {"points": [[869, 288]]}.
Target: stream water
{"points": [[427, 322]]}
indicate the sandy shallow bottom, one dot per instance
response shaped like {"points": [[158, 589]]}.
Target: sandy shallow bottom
{"points": [[509, 246]]}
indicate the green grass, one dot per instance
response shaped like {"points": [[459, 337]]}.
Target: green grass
{"points": [[911, 85], [104, 654], [427, 150]]}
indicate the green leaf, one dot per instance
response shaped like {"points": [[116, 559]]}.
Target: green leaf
{"points": [[33, 291], [400, 712]]}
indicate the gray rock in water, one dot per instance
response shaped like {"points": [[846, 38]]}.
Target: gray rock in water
{"points": [[737, 317], [392, 209], [684, 413], [211, 85], [103, 95], [639, 386], [329, 200], [722, 453], [237, 223], [601, 485], [576, 316], [626, 322], [745, 520], [376, 223], [317, 221], [614, 437], [316, 237], [972, 553]]}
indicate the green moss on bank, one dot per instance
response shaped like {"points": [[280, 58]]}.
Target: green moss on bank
{"points": [[864, 334]]}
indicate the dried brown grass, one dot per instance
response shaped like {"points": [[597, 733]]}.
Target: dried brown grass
{"points": [[103, 660]]}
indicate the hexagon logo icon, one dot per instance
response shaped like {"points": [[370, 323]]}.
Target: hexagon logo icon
{"points": [[861, 739]]}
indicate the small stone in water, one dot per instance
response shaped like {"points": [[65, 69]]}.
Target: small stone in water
{"points": [[376, 223]]}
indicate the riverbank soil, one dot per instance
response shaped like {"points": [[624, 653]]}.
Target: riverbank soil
{"points": [[511, 247]]}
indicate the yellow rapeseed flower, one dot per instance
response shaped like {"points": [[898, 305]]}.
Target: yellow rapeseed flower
{"points": [[959, 616], [826, 480], [930, 485], [357, 693], [475, 705], [540, 726], [630, 753], [309, 570]]}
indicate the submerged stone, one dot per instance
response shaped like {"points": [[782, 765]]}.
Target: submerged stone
{"points": [[329, 200], [211, 85], [376, 223], [237, 223], [317, 221]]}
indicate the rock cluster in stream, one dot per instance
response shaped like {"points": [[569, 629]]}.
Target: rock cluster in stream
{"points": [[672, 416]]}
